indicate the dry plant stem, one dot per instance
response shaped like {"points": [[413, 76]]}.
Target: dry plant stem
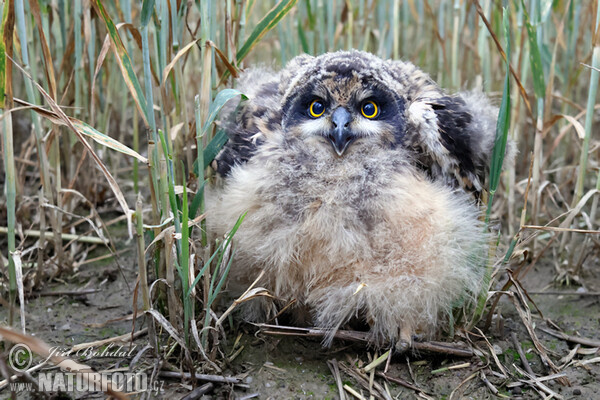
{"points": [[122, 338], [489, 385], [199, 392], [559, 293], [363, 380], [399, 381], [70, 292], [571, 338], [143, 273], [560, 229], [64, 236], [514, 242], [464, 381], [535, 382], [10, 187], [379, 360], [519, 349], [353, 392], [200, 377], [451, 367], [523, 310], [493, 353], [522, 90], [240, 299], [356, 336], [335, 371]]}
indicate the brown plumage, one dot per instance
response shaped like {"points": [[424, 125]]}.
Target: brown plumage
{"points": [[358, 176]]}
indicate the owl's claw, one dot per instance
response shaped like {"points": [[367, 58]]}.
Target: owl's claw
{"points": [[402, 346], [405, 340]]}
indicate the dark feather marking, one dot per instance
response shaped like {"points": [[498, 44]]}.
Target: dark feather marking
{"points": [[238, 150], [244, 135], [453, 121]]}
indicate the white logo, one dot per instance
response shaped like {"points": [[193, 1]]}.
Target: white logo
{"points": [[20, 357]]}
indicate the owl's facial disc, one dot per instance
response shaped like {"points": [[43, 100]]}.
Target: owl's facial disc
{"points": [[345, 112], [341, 135]]}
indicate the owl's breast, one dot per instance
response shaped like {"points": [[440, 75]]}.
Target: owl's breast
{"points": [[342, 190]]}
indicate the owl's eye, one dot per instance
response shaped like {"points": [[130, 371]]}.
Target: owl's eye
{"points": [[316, 109], [369, 110]]}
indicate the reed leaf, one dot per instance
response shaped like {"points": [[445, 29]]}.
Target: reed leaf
{"points": [[502, 125], [124, 62], [266, 24], [85, 130]]}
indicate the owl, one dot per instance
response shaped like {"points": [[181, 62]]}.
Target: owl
{"points": [[359, 178]]}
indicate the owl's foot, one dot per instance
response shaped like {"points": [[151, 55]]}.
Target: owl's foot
{"points": [[405, 341]]}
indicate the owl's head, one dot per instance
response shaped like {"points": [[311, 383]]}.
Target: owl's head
{"points": [[352, 102], [345, 98]]}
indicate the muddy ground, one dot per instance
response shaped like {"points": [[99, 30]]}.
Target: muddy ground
{"points": [[296, 368]]}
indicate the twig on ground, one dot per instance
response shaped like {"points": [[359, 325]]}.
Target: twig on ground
{"points": [[467, 379], [335, 371], [199, 392], [489, 385], [379, 391], [570, 338], [64, 236], [522, 308], [534, 381], [70, 292], [249, 396], [493, 354], [521, 354], [559, 293], [400, 382], [123, 338], [377, 361], [201, 377], [353, 392], [451, 367], [451, 349]]}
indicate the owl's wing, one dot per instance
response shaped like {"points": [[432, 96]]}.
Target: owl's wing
{"points": [[247, 122], [453, 136]]}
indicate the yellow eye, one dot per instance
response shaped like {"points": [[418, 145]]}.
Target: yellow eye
{"points": [[369, 110], [316, 109]]}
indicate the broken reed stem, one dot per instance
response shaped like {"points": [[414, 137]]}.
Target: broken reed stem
{"points": [[9, 168], [63, 236], [589, 115], [141, 247]]}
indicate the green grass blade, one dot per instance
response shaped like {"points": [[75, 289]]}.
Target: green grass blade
{"points": [[502, 125], [215, 145], [3, 58], [222, 98], [211, 150], [535, 59], [185, 259], [219, 251], [265, 25], [147, 10], [197, 200]]}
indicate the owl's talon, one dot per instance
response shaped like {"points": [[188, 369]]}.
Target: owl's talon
{"points": [[402, 346]]}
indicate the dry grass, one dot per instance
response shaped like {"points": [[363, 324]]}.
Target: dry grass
{"points": [[145, 83]]}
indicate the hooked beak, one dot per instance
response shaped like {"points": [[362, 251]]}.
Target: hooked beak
{"points": [[341, 136]]}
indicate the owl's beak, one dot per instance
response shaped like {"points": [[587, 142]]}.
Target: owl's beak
{"points": [[341, 136]]}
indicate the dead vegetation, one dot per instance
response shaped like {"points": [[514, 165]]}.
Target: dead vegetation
{"points": [[107, 127]]}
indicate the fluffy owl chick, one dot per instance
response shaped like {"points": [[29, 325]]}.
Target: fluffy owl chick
{"points": [[358, 176]]}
